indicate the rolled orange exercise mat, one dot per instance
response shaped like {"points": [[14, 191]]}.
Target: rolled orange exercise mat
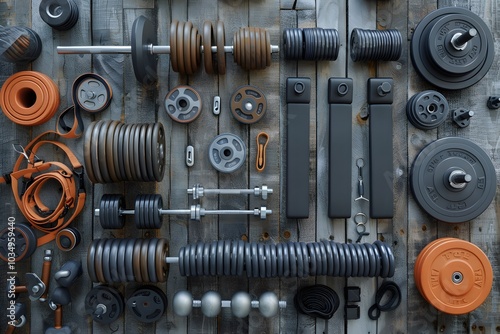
{"points": [[29, 98]]}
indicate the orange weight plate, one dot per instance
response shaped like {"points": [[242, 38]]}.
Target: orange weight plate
{"points": [[421, 256], [454, 275]]}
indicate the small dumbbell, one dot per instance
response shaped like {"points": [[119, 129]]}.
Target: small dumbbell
{"points": [[198, 191], [148, 211], [240, 304], [59, 298], [16, 316]]}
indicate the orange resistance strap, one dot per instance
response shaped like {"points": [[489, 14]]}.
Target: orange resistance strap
{"points": [[38, 172]]}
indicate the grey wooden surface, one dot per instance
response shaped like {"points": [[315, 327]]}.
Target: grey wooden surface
{"points": [[108, 22]]}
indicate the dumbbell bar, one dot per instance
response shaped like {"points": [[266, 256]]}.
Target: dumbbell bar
{"points": [[252, 48], [145, 260], [241, 303], [148, 211], [198, 191]]}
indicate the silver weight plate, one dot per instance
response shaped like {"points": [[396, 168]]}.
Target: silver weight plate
{"points": [[92, 92], [227, 152], [183, 104]]}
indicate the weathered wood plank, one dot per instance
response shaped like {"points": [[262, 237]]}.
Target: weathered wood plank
{"points": [[395, 232], [329, 228]]}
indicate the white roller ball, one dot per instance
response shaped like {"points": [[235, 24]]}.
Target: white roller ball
{"points": [[211, 304], [268, 304], [241, 304], [183, 303]]}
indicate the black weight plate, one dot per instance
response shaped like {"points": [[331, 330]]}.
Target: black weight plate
{"points": [[55, 13], [120, 263], [137, 156], [157, 207], [429, 70], [154, 243], [91, 260], [147, 304], [117, 147], [431, 190], [149, 152], [129, 260], [183, 104], [126, 149], [108, 297], [139, 220], [87, 152], [131, 153], [94, 151], [142, 152], [144, 62], [427, 110], [24, 242], [103, 153], [106, 267], [110, 151], [113, 260]]}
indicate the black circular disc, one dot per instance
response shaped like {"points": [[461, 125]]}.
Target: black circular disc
{"points": [[147, 304], [431, 186], [446, 67], [104, 304], [427, 110], [23, 245], [143, 35]]}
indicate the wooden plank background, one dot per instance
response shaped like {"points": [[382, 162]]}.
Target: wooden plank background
{"points": [[108, 22]]}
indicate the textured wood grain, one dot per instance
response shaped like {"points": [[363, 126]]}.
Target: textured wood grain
{"points": [[109, 23]]}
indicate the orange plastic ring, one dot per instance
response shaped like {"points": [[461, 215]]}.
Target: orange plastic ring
{"points": [[453, 275], [29, 98]]}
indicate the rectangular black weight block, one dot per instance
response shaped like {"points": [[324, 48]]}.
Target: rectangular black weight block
{"points": [[340, 91], [380, 97], [298, 97]]}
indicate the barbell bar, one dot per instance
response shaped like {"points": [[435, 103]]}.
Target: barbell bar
{"points": [[251, 48]]}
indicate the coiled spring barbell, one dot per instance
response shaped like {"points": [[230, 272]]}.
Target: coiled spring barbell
{"points": [[311, 44], [148, 211], [146, 260], [251, 48]]}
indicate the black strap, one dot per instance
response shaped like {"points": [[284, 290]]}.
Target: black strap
{"points": [[392, 303], [318, 301]]}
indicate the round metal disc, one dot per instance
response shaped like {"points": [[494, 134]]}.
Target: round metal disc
{"points": [[92, 93], [227, 152], [183, 104], [147, 304], [143, 35], [159, 151], [442, 65], [248, 104], [427, 110], [24, 241], [104, 297], [431, 186], [454, 275]]}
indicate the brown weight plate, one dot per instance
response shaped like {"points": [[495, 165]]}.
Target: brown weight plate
{"points": [[236, 44], [173, 45], [208, 37], [198, 48], [131, 154], [221, 54], [94, 151], [137, 260], [258, 49], [263, 47], [149, 152], [248, 97], [110, 152], [144, 260], [161, 264], [126, 151], [117, 148], [456, 276], [253, 49], [87, 147], [248, 51], [268, 48], [137, 156], [102, 154], [188, 27], [180, 48], [142, 152], [194, 49]]}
